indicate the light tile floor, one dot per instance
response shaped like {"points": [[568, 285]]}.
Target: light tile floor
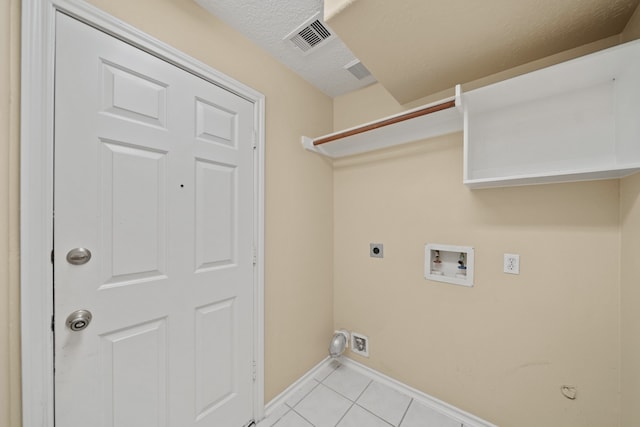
{"points": [[338, 396]]}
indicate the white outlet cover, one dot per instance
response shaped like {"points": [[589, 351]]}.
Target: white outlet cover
{"points": [[360, 344], [512, 263]]}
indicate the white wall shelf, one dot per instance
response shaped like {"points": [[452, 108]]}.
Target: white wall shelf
{"points": [[574, 121], [449, 264], [439, 118], [578, 120]]}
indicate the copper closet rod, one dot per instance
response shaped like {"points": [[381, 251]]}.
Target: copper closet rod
{"points": [[387, 122]]}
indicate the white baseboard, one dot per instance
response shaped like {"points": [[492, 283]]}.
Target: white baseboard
{"points": [[280, 399], [273, 409], [468, 420]]}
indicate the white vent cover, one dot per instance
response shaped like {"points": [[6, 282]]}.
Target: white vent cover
{"points": [[358, 69], [310, 35]]}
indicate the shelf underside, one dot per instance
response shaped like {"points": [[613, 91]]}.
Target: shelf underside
{"points": [[440, 119], [552, 177]]}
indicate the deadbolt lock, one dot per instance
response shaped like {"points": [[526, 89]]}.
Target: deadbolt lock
{"points": [[79, 320], [78, 256]]}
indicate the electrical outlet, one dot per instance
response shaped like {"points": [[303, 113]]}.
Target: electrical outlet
{"points": [[360, 344], [512, 263]]}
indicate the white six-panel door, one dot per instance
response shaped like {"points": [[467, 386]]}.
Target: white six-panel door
{"points": [[154, 175]]}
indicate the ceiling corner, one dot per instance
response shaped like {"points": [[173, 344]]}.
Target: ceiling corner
{"points": [[334, 7], [416, 48]]}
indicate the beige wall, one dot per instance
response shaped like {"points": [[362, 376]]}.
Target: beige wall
{"points": [[383, 104], [9, 158], [630, 298], [501, 349], [632, 30], [298, 282], [630, 278]]}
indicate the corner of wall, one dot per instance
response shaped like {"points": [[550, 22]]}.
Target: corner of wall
{"points": [[630, 299], [629, 277], [333, 7], [363, 105], [528, 332], [632, 29]]}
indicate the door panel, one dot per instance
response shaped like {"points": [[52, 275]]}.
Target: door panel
{"points": [[215, 124], [153, 174], [133, 96], [135, 372], [134, 213], [215, 227], [215, 351]]}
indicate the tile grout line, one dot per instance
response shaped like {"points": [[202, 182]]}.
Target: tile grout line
{"points": [[347, 397], [405, 412], [321, 383], [345, 414], [339, 382], [278, 420], [363, 390], [420, 397], [302, 416], [291, 408], [377, 416], [330, 373], [337, 392], [342, 395], [305, 395], [282, 416], [355, 403], [323, 373]]}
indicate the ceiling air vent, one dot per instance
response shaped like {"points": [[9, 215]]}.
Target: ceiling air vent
{"points": [[310, 35], [358, 69]]}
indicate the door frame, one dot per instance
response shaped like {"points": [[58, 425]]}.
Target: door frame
{"points": [[36, 192]]}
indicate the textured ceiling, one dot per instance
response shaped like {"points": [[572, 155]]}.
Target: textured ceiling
{"points": [[268, 22], [416, 48]]}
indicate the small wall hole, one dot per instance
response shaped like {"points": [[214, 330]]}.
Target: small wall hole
{"points": [[376, 250]]}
